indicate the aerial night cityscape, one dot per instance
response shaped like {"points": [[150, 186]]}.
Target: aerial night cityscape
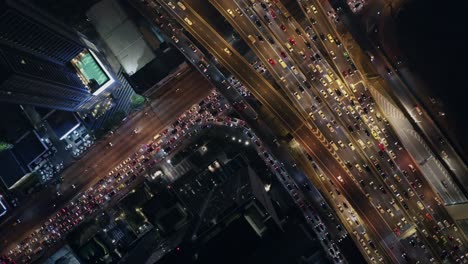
{"points": [[233, 131]]}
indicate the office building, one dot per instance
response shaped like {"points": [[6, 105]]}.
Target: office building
{"points": [[44, 63]]}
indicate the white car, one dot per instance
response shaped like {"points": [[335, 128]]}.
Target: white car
{"points": [[293, 68]]}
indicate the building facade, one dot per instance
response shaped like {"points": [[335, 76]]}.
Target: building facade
{"points": [[44, 63]]}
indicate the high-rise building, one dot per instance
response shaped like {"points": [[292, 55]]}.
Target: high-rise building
{"points": [[44, 63]]}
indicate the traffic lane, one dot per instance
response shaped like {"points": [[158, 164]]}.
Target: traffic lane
{"points": [[357, 199], [431, 170], [66, 194], [208, 45], [270, 49], [163, 110], [37, 209], [244, 71], [426, 125]]}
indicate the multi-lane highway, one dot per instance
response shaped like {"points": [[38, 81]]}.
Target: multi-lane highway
{"points": [[335, 100], [282, 109], [445, 162], [165, 105]]}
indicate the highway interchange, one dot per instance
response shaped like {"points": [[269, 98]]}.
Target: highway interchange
{"points": [[353, 155], [410, 207]]}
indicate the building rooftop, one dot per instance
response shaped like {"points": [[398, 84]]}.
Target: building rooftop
{"points": [[12, 170], [62, 122]]}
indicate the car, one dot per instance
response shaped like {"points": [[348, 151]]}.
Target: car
{"points": [[298, 31], [388, 70], [175, 39], [341, 144], [292, 41], [330, 38], [330, 127], [302, 54], [271, 61], [228, 51], [283, 54], [446, 223], [258, 23], [340, 179], [382, 189], [283, 27], [322, 114], [323, 82], [298, 96], [324, 93], [231, 13], [181, 5], [314, 9], [308, 45], [202, 67], [267, 19], [338, 111], [293, 68], [272, 13], [260, 38], [358, 167], [193, 48], [338, 42], [271, 40], [188, 21], [351, 146], [411, 168]]}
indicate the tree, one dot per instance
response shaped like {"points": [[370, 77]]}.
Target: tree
{"points": [[137, 100], [5, 146]]}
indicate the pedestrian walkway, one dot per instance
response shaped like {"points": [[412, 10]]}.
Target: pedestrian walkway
{"points": [[431, 168]]}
